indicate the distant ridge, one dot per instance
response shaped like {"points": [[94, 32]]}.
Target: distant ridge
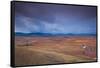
{"points": [[50, 34], [30, 34]]}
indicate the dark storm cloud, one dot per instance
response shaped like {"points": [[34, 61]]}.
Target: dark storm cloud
{"points": [[50, 18]]}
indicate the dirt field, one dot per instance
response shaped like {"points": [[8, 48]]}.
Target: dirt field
{"points": [[54, 50]]}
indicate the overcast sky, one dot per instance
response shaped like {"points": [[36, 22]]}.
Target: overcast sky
{"points": [[50, 18]]}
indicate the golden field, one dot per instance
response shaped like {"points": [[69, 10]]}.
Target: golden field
{"points": [[54, 50]]}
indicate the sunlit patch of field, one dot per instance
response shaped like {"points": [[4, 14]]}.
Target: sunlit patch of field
{"points": [[54, 50]]}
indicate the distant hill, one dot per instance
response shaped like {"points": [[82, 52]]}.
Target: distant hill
{"points": [[32, 34], [50, 34]]}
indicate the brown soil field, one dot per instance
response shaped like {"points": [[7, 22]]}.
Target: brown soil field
{"points": [[54, 50]]}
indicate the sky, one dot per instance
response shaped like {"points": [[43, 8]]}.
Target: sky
{"points": [[55, 19]]}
